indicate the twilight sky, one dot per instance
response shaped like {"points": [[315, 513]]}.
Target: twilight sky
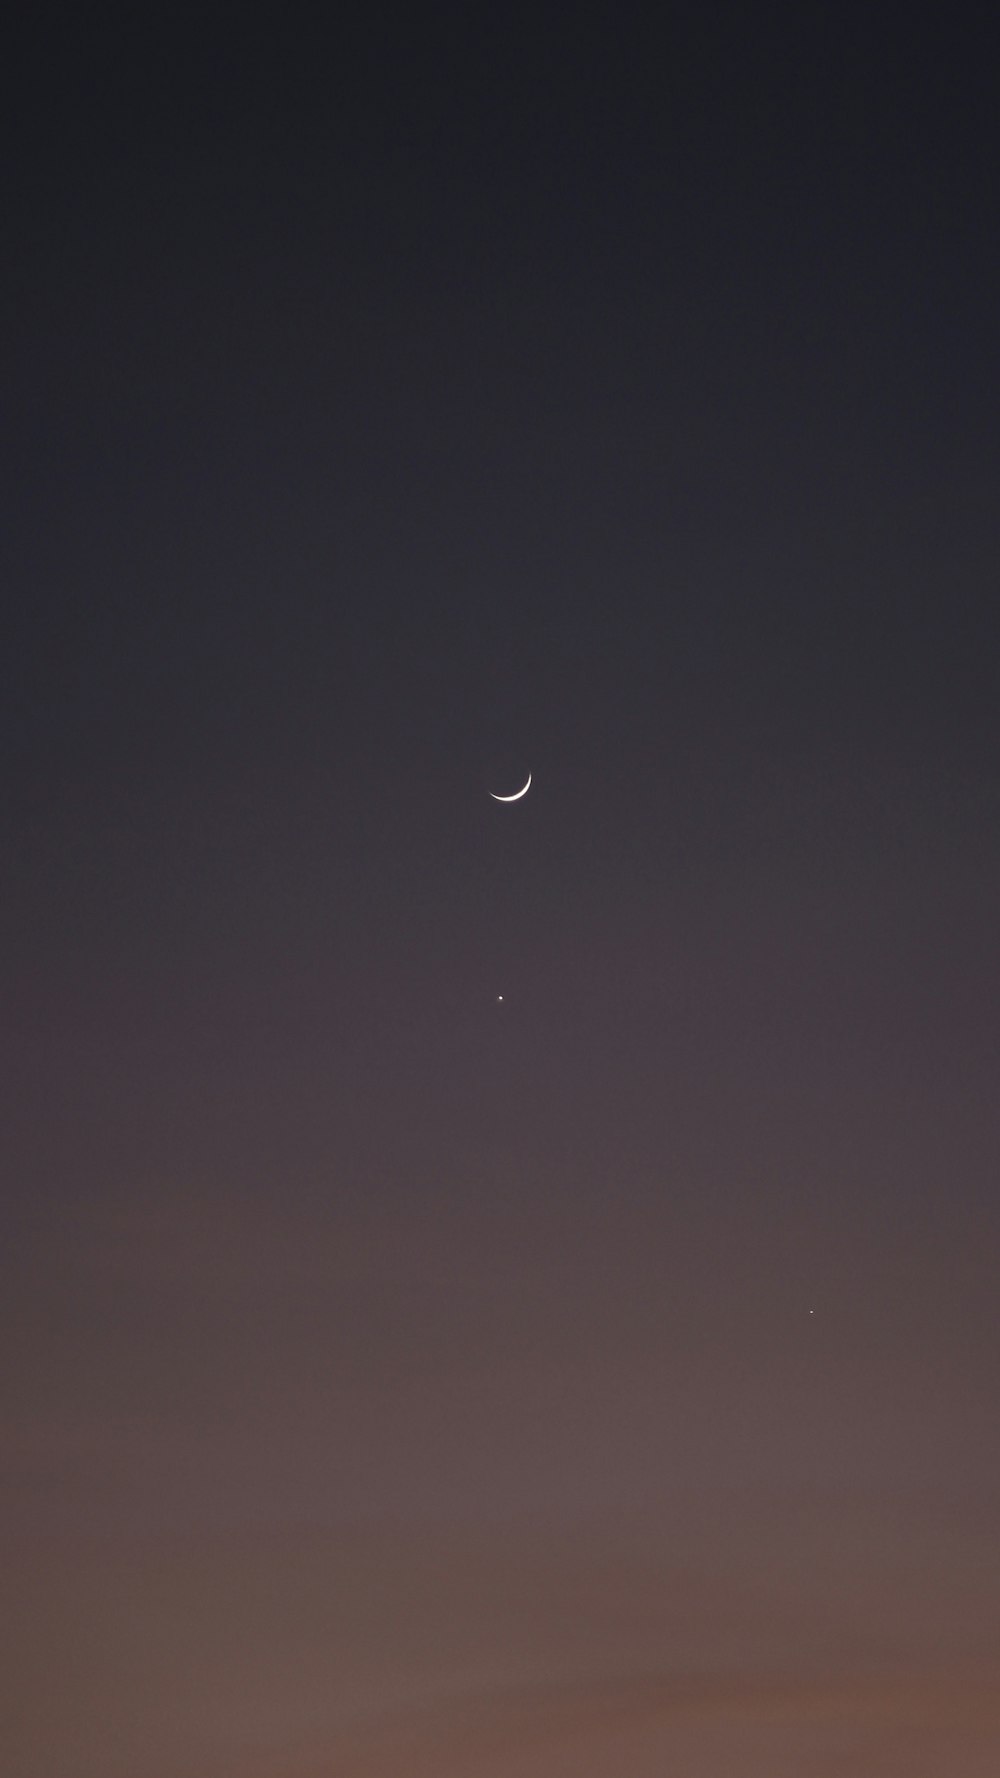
{"points": [[398, 1380]]}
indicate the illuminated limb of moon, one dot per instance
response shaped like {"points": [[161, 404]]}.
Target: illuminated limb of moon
{"points": [[517, 794]]}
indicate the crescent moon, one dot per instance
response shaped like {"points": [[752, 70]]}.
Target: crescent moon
{"points": [[516, 796]]}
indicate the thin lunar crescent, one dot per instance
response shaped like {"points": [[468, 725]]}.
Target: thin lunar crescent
{"points": [[516, 796]]}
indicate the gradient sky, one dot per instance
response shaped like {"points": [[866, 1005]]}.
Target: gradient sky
{"points": [[398, 1380]]}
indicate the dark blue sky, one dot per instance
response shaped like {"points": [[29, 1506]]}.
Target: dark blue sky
{"points": [[389, 413]]}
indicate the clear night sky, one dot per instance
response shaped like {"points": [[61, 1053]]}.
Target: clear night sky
{"points": [[398, 1381]]}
